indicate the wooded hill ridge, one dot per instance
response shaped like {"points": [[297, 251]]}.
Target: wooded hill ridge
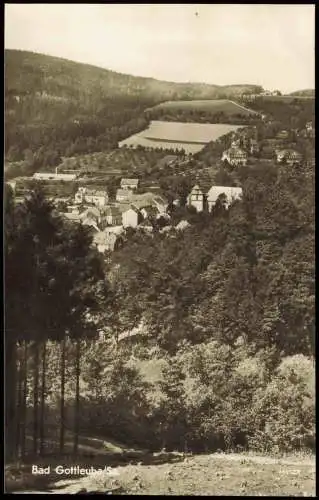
{"points": [[28, 72]]}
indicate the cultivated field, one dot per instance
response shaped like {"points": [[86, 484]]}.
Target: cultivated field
{"points": [[191, 137], [212, 106]]}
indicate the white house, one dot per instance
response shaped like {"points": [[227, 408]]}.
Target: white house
{"points": [[129, 183], [196, 198], [131, 217], [231, 193]]}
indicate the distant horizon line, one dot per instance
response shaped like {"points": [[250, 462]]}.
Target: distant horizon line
{"points": [[155, 78]]}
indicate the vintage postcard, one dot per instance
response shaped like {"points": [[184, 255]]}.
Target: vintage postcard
{"points": [[159, 249]]}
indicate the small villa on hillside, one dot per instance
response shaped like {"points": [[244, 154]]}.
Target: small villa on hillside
{"points": [[99, 198], [235, 156], [288, 156]]}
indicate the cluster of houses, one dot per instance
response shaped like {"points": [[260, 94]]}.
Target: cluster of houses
{"points": [[243, 146], [108, 220]]}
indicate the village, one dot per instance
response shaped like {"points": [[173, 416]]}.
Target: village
{"points": [[144, 207]]}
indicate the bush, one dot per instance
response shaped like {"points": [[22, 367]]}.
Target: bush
{"points": [[285, 411]]}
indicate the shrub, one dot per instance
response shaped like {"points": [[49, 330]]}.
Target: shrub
{"points": [[285, 411]]}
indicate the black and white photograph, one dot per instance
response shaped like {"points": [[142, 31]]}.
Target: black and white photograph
{"points": [[159, 249]]}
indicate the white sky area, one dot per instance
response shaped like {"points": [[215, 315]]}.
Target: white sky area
{"points": [[268, 45]]}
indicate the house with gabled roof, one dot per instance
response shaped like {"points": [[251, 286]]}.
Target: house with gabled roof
{"points": [[196, 198]]}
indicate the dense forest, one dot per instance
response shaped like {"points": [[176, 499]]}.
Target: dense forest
{"points": [[225, 309]]}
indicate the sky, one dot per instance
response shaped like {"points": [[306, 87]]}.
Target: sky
{"points": [[223, 44]]}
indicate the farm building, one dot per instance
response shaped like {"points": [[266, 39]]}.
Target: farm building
{"points": [[235, 156], [129, 183], [51, 176]]}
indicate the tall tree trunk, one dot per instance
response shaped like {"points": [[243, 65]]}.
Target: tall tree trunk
{"points": [[24, 398], [77, 395], [10, 397], [62, 396], [43, 388], [36, 398], [19, 402]]}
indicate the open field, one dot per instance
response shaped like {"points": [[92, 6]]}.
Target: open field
{"points": [[211, 105], [191, 137]]}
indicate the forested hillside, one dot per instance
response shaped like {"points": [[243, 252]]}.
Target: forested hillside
{"points": [[55, 107], [225, 308]]}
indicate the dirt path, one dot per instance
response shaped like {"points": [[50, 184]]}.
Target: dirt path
{"points": [[215, 474]]}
